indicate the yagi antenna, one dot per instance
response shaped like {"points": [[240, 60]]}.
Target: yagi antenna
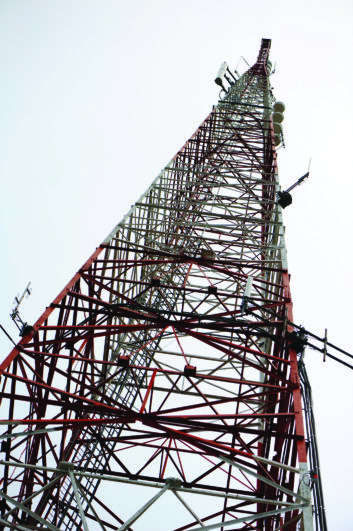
{"points": [[23, 327]]}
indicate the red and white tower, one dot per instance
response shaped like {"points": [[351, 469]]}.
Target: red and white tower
{"points": [[160, 389]]}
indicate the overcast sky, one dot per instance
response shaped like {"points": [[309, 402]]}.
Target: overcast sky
{"points": [[96, 96]]}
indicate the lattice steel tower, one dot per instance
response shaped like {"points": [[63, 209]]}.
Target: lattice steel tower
{"points": [[160, 389]]}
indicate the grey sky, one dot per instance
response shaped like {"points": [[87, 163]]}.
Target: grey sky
{"points": [[97, 96]]}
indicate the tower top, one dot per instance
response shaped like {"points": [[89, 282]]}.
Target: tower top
{"points": [[264, 52]]}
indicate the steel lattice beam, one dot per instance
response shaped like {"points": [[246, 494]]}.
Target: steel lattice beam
{"points": [[169, 354]]}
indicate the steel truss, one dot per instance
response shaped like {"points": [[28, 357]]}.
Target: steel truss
{"points": [[169, 361]]}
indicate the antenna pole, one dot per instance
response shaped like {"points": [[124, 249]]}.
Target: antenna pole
{"points": [[15, 314]]}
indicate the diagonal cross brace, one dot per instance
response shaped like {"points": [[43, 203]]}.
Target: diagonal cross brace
{"points": [[170, 483]]}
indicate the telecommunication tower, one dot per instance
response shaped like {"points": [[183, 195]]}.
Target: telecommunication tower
{"points": [[163, 381]]}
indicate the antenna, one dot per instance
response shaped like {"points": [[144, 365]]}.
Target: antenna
{"points": [[299, 181], [245, 60], [238, 63], [285, 198], [23, 327], [246, 296], [221, 74], [224, 73]]}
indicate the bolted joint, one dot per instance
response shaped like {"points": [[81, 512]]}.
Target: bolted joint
{"points": [[173, 483], [190, 370], [5, 446], [123, 361], [155, 281], [212, 290], [65, 466]]}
